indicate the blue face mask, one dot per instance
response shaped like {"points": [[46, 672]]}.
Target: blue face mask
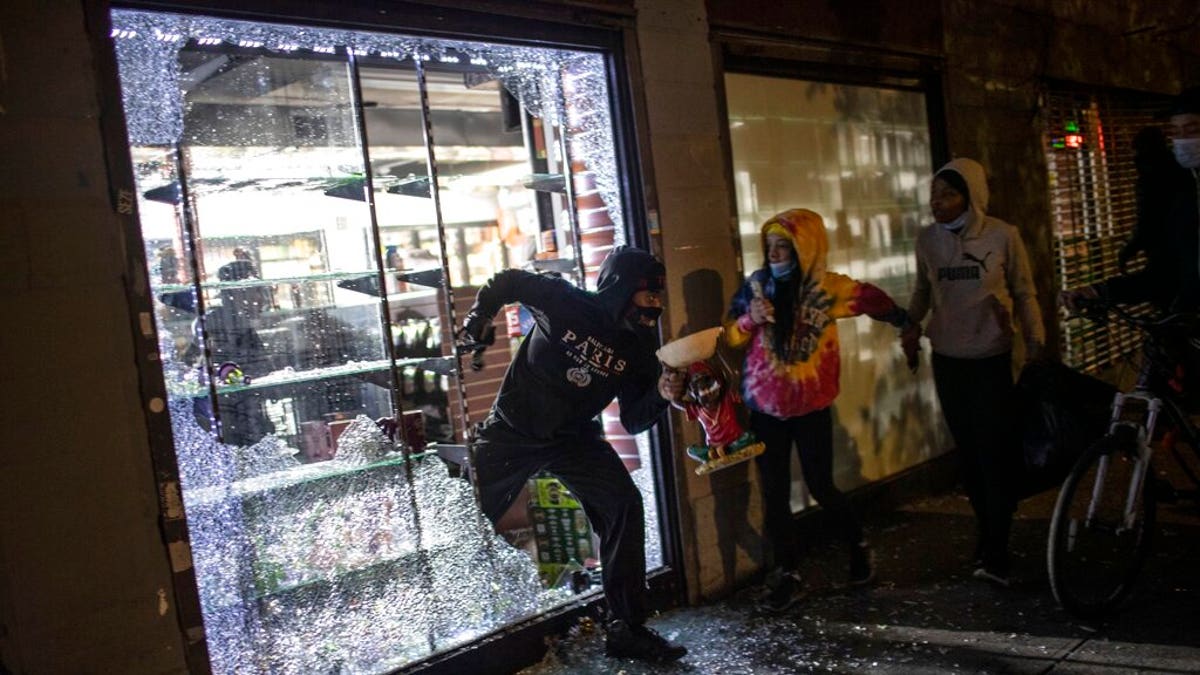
{"points": [[1187, 152], [783, 270], [958, 223]]}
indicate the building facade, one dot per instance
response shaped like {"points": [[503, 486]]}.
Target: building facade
{"points": [[713, 116]]}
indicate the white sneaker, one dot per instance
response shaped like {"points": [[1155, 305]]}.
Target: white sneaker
{"points": [[983, 574]]}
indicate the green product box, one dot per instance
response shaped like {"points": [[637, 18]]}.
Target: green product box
{"points": [[560, 527], [551, 494], [563, 535]]}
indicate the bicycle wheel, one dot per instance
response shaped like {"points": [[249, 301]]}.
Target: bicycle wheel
{"points": [[1096, 547]]}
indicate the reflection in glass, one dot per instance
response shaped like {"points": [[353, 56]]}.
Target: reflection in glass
{"points": [[308, 218], [860, 157]]}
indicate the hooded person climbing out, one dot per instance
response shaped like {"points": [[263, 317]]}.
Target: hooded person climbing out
{"points": [[785, 315], [584, 350]]}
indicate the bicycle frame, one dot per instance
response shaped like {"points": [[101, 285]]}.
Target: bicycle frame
{"points": [[1144, 433], [1100, 536]]}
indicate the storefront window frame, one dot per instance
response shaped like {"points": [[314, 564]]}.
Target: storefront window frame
{"points": [[740, 53], [424, 22]]}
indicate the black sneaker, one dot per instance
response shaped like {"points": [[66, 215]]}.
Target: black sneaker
{"points": [[783, 591], [862, 572], [636, 641]]}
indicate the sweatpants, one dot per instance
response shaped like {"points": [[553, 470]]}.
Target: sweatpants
{"points": [[977, 397], [589, 467], [812, 435]]}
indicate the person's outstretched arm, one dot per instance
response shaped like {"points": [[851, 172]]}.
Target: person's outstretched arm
{"points": [[854, 298], [536, 291]]}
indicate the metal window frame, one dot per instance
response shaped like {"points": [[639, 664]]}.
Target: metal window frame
{"points": [[607, 31], [754, 54]]}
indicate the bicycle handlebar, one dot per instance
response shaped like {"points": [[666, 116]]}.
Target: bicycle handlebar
{"points": [[1097, 309]]}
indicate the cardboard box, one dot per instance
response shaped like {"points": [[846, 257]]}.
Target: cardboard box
{"points": [[550, 493], [561, 529], [562, 535]]}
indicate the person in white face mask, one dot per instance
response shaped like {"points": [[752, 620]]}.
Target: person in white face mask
{"points": [[973, 278], [1185, 128], [1171, 280]]}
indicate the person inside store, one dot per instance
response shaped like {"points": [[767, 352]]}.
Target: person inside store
{"points": [[1170, 279], [785, 316], [973, 276], [232, 324], [232, 330], [585, 349], [240, 253]]}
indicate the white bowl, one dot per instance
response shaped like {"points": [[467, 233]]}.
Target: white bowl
{"points": [[687, 350]]}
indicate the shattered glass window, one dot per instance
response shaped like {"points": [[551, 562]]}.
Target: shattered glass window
{"points": [[319, 207]]}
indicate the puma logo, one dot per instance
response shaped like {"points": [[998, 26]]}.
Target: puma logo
{"points": [[982, 262]]}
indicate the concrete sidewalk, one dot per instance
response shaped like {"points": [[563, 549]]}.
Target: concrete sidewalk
{"points": [[926, 614]]}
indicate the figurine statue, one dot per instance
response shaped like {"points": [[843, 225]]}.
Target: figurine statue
{"points": [[710, 400]]}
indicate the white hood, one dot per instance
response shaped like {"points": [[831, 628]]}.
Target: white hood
{"points": [[976, 178], [975, 280]]}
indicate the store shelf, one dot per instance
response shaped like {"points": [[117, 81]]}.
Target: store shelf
{"points": [[260, 283], [318, 490], [409, 296], [431, 277], [288, 377], [300, 475], [545, 182], [392, 567]]}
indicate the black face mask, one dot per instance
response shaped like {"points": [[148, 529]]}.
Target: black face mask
{"points": [[634, 316], [648, 313]]}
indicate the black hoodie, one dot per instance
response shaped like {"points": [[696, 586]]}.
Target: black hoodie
{"points": [[582, 351], [1171, 280]]}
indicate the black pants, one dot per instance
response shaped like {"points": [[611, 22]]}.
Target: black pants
{"points": [[595, 475], [812, 434], [977, 397]]}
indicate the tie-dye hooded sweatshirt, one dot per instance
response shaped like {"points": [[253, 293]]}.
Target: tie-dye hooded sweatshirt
{"points": [[804, 378]]}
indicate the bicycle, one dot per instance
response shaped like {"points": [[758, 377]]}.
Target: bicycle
{"points": [[1105, 514]]}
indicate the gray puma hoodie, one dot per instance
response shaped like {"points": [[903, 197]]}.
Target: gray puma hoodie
{"points": [[972, 281]]}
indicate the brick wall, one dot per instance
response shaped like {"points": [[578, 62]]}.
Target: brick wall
{"points": [[86, 583]]}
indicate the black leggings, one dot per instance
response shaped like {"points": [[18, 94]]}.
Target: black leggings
{"points": [[595, 475], [812, 434], [977, 400]]}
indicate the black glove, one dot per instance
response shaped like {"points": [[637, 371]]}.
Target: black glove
{"points": [[477, 329]]}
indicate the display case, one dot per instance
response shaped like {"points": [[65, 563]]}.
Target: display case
{"points": [[318, 209]]}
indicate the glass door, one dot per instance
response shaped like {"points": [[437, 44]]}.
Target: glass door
{"points": [[860, 157]]}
